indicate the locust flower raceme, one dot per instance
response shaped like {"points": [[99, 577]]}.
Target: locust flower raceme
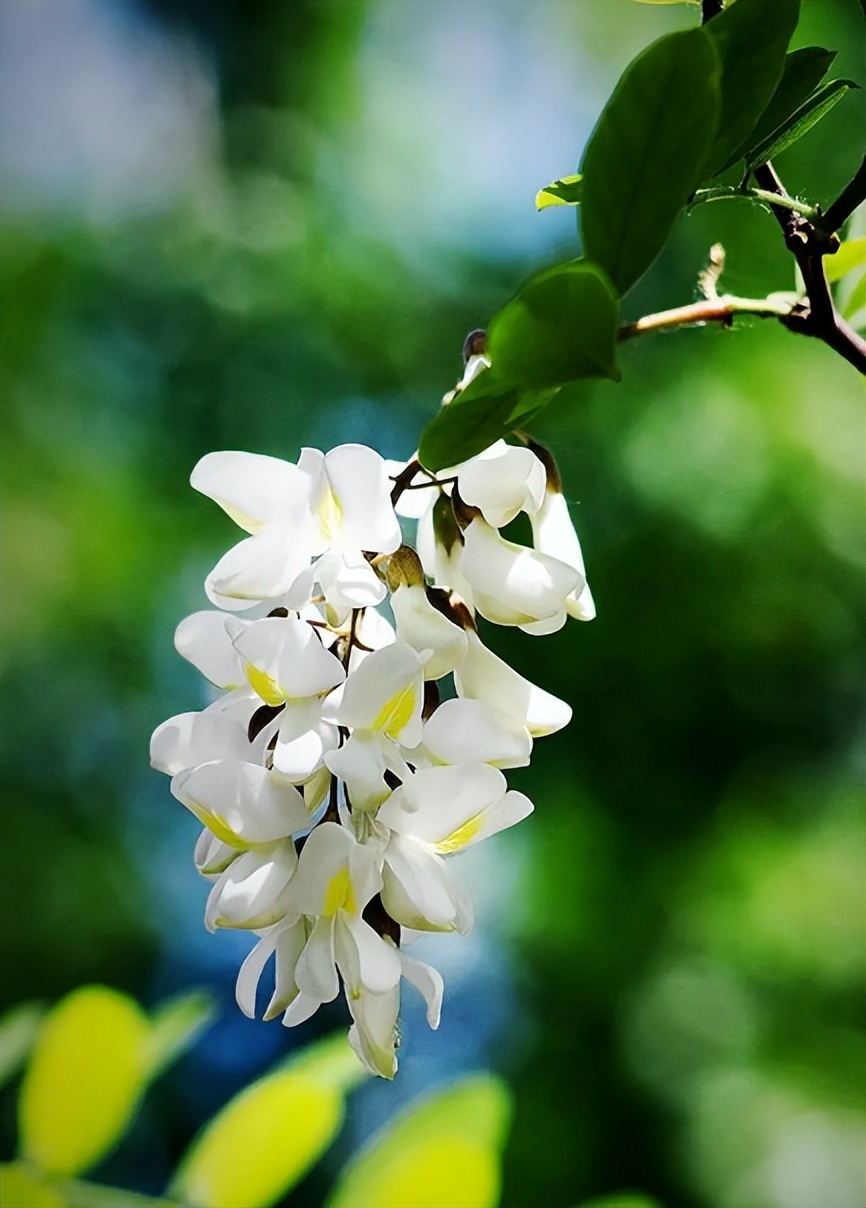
{"points": [[346, 759]]}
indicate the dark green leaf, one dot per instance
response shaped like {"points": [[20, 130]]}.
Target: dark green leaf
{"points": [[808, 115], [644, 156], [751, 38], [803, 72], [472, 423], [560, 326], [564, 192]]}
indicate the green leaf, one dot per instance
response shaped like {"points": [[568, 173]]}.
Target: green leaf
{"points": [[849, 255], [564, 192], [561, 326], [800, 122], [268, 1136], [751, 38], [84, 1079], [645, 154], [174, 1027], [475, 420], [23, 1187], [19, 1027], [803, 72], [856, 299], [443, 1152]]}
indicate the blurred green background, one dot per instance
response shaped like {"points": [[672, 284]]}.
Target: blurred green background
{"points": [[262, 225]]}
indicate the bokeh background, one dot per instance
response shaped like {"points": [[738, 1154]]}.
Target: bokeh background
{"points": [[260, 225]]}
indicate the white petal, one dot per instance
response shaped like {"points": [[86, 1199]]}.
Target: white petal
{"points": [[373, 1034], [284, 658], [348, 581], [251, 892], [419, 891], [503, 486], [360, 762], [203, 641], [484, 676], [513, 585], [290, 943], [190, 739], [551, 624], [424, 628], [437, 804], [316, 972], [262, 567], [428, 981], [324, 857], [386, 693], [211, 855], [254, 489], [241, 803], [300, 1010], [302, 742], [316, 789], [554, 533], [473, 731], [250, 974], [360, 487], [364, 959]]}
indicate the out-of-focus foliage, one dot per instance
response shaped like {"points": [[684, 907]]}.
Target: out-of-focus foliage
{"points": [[93, 1056], [444, 1150], [268, 1136], [265, 225], [91, 1061]]}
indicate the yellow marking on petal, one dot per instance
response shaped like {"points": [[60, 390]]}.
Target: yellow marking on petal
{"points": [[460, 837], [265, 686], [340, 894], [396, 713], [218, 826], [241, 519], [330, 514]]}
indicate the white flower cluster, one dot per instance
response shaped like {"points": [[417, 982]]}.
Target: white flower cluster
{"points": [[339, 770]]}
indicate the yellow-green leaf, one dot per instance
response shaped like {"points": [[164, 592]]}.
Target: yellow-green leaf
{"points": [[856, 299], [850, 255], [84, 1080], [19, 1028], [22, 1187], [268, 1136], [443, 1152], [563, 192]]}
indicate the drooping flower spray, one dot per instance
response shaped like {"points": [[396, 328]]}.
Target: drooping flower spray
{"points": [[334, 779]]}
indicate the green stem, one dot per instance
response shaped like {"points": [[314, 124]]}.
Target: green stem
{"points": [[764, 196]]}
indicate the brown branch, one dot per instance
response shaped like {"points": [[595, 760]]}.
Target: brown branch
{"points": [[816, 316]]}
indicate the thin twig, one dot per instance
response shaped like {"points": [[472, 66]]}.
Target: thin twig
{"points": [[712, 310], [404, 478]]}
